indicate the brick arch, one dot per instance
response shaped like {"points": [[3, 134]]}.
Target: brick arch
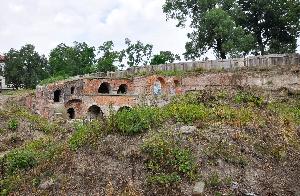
{"points": [[159, 86], [104, 88], [57, 95], [71, 113], [94, 113], [123, 88]]}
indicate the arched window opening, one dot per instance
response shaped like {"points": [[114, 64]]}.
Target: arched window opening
{"points": [[104, 88], [158, 86], [57, 94], [71, 113], [122, 89], [177, 83], [94, 113], [72, 90], [124, 108]]}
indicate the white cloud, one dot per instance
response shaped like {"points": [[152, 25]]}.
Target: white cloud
{"points": [[46, 23]]}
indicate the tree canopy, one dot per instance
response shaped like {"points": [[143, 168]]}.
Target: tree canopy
{"points": [[273, 23], [236, 27], [164, 57], [25, 67], [137, 54], [109, 59], [71, 60]]}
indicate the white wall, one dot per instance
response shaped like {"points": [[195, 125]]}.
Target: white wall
{"points": [[2, 79]]}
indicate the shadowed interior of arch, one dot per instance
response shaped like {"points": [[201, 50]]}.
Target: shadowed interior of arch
{"points": [[94, 112], [71, 113], [57, 94], [104, 88], [72, 90], [122, 89], [177, 83]]}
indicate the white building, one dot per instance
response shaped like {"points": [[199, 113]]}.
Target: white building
{"points": [[2, 79]]}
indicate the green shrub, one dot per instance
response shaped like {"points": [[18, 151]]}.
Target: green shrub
{"points": [[289, 111], [20, 159], [185, 113], [37, 122], [236, 116], [245, 97], [13, 124], [9, 183], [44, 148], [214, 180], [164, 178], [167, 160], [85, 134], [136, 120]]}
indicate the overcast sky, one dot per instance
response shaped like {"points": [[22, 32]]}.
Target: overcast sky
{"points": [[46, 23]]}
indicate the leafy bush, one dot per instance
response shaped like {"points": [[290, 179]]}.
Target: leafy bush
{"points": [[214, 180], [167, 160], [84, 134], [13, 124], [236, 116], [184, 112], [20, 159], [288, 111], [164, 178], [244, 97], [136, 120]]}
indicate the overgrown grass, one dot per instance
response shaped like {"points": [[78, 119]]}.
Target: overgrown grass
{"points": [[168, 161], [247, 97], [287, 110], [224, 150], [85, 134], [22, 159], [20, 92], [185, 113], [53, 79], [13, 124], [136, 120], [38, 123], [28, 156]]}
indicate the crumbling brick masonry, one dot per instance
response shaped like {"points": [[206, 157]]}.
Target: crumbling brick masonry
{"points": [[94, 96]]}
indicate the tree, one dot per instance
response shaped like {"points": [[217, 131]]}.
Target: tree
{"points": [[164, 57], [136, 53], [212, 25], [25, 67], [108, 59], [273, 23], [76, 60]]}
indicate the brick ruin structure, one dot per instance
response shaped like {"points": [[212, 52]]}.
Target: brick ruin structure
{"points": [[96, 95]]}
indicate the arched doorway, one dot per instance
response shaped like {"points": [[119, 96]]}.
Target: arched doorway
{"points": [[94, 113], [122, 89], [72, 90], [57, 95], [158, 86], [71, 113], [104, 88]]}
